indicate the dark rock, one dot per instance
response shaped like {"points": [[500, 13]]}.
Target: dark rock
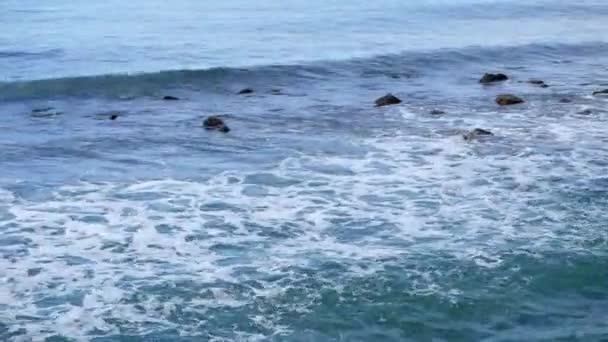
{"points": [[479, 131], [565, 100], [508, 99], [45, 112], [491, 78], [113, 116], [170, 98], [586, 112], [437, 112], [538, 83], [246, 91], [388, 99], [476, 133], [42, 110], [193, 237], [215, 123], [601, 92], [34, 271]]}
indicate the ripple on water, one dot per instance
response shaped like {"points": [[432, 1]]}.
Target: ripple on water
{"points": [[322, 242]]}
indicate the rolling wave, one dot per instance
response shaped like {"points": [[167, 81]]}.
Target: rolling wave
{"points": [[226, 79]]}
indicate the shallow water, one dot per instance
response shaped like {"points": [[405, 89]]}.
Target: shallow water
{"points": [[318, 217]]}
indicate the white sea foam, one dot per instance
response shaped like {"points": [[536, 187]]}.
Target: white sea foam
{"points": [[98, 245]]}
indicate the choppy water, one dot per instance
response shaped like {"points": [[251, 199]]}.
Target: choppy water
{"points": [[318, 217]]}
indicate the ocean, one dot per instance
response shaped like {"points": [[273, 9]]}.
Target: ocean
{"points": [[319, 216]]}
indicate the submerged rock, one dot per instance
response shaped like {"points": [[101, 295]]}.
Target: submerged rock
{"points": [[246, 91], [538, 83], [476, 133], [600, 92], [109, 115], [170, 98], [565, 100], [508, 99], [387, 100], [41, 110], [45, 112], [215, 123], [437, 112], [31, 272], [586, 112], [491, 78]]}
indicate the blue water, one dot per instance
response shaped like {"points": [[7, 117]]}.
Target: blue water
{"points": [[318, 217]]}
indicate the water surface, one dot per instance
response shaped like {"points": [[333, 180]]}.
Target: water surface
{"points": [[318, 217]]}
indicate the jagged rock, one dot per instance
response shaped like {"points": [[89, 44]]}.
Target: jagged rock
{"points": [[508, 99], [215, 123], [586, 112], [491, 78], [600, 92], [170, 98], [476, 133], [45, 112], [246, 91], [386, 100], [41, 110], [31, 272], [538, 83]]}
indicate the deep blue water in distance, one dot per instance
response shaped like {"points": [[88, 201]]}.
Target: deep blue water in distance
{"points": [[318, 217]]}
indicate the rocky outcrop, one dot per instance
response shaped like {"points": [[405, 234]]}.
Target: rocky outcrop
{"points": [[215, 123], [42, 110], [32, 272], [476, 133], [387, 100], [538, 83], [246, 91], [491, 78], [600, 92], [47, 112], [586, 111], [508, 99]]}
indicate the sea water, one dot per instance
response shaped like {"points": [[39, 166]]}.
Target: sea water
{"points": [[318, 217]]}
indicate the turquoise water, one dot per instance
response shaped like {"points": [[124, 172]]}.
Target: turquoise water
{"points": [[318, 217]]}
